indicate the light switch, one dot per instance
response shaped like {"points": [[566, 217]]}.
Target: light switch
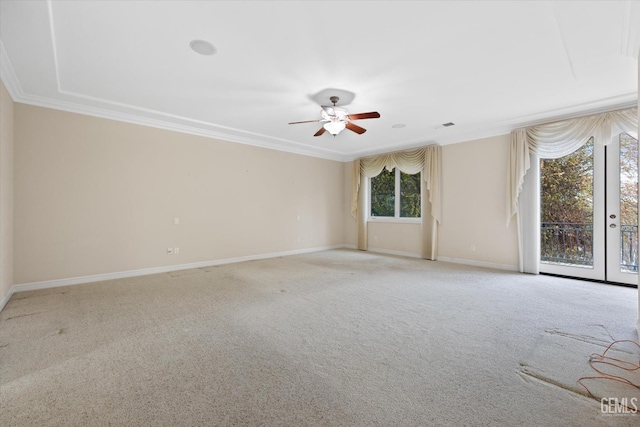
{"points": [[176, 220]]}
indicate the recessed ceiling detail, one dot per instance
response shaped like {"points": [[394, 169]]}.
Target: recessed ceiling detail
{"points": [[435, 61]]}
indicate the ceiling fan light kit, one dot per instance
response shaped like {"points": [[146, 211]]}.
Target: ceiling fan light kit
{"points": [[334, 127], [336, 119]]}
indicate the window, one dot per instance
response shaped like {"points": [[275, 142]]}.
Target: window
{"points": [[395, 194]]}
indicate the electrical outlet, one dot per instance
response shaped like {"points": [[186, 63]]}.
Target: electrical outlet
{"points": [[169, 251], [472, 248]]}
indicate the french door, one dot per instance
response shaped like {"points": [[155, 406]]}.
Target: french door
{"points": [[589, 212]]}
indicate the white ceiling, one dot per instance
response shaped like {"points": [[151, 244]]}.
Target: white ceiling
{"points": [[488, 67]]}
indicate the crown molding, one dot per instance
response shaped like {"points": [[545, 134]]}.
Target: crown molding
{"points": [[468, 134], [189, 126], [193, 128], [162, 120], [8, 76], [472, 133]]}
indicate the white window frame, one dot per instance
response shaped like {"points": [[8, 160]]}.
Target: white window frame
{"points": [[396, 218]]}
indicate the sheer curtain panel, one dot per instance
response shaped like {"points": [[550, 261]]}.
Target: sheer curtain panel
{"points": [[426, 160], [549, 141]]}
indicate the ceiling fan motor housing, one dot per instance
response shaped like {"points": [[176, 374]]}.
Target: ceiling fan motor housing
{"points": [[336, 119]]}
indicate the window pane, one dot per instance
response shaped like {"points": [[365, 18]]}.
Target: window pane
{"points": [[409, 195], [383, 194], [566, 189], [628, 203]]}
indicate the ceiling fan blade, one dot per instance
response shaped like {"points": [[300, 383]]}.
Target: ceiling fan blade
{"points": [[305, 121], [360, 116], [357, 129], [320, 132]]}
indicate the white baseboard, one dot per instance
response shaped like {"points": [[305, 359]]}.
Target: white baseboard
{"points": [[392, 252], [22, 287], [444, 259], [6, 298], [483, 264]]}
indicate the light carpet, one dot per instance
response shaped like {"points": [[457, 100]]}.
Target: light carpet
{"points": [[334, 338]]}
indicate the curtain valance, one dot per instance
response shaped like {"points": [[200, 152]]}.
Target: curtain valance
{"points": [[549, 141], [426, 160], [410, 162], [558, 139]]}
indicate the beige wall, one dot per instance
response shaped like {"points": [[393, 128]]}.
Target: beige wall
{"points": [[6, 192], [382, 236], [400, 238], [474, 200], [95, 196]]}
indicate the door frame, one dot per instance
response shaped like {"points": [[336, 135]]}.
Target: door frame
{"points": [[606, 241]]}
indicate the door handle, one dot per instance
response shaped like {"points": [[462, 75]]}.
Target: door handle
{"points": [[612, 225], [612, 216]]}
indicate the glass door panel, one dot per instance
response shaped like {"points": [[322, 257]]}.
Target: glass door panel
{"points": [[622, 209], [589, 212], [570, 236]]}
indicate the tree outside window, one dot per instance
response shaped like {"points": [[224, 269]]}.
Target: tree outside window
{"points": [[395, 194]]}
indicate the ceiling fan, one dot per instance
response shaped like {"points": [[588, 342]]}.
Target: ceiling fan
{"points": [[336, 119]]}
